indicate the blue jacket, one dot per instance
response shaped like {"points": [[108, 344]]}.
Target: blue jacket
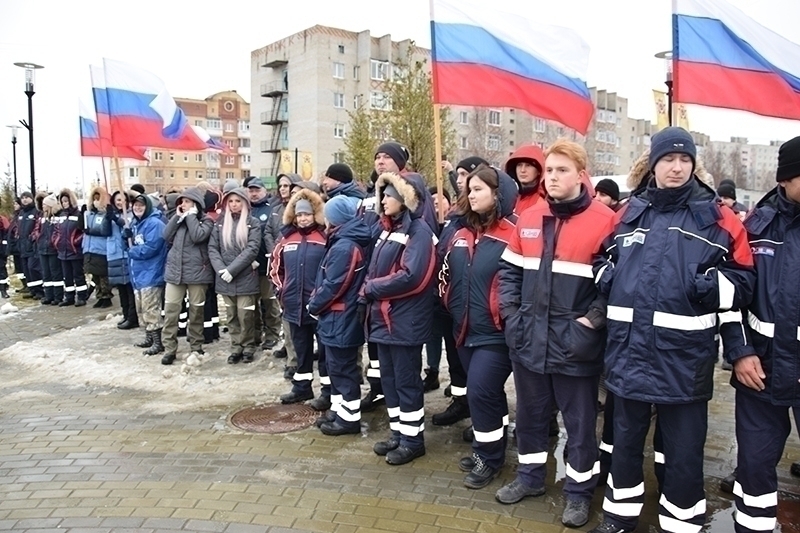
{"points": [[45, 231], [97, 229], [675, 260], [262, 210], [399, 287], [148, 255], [470, 272], [69, 234], [772, 321], [339, 278], [117, 249]]}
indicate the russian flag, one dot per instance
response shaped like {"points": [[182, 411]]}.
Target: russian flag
{"points": [[723, 58], [485, 57], [140, 110], [94, 137]]}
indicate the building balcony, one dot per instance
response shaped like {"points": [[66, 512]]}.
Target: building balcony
{"points": [[212, 164], [243, 150], [273, 88], [274, 61], [274, 117], [266, 147]]}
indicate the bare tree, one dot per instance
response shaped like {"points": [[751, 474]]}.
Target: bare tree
{"points": [[487, 138], [715, 163], [738, 172]]}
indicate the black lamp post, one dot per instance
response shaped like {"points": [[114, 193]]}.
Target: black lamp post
{"points": [[667, 57], [29, 75], [14, 154]]}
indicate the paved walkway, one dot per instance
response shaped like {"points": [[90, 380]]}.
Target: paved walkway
{"points": [[81, 459]]}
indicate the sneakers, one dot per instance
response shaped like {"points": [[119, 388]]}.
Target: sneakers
{"points": [[516, 491], [431, 381], [403, 454], [481, 474], [726, 483], [576, 513], [385, 446], [608, 527], [457, 410]]}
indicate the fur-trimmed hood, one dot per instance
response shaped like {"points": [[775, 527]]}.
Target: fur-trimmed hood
{"points": [[73, 200], [104, 199], [37, 200], [408, 190], [640, 173], [316, 203]]}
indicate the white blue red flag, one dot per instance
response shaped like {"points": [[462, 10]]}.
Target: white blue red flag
{"points": [[484, 57], [141, 111], [94, 137], [723, 58]]}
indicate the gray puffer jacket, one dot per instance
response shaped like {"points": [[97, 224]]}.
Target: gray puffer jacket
{"points": [[187, 260], [237, 260]]}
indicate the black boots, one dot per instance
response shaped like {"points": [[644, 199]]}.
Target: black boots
{"points": [[168, 359], [147, 342], [457, 410], [128, 324], [4, 291], [431, 381], [157, 347], [101, 303]]}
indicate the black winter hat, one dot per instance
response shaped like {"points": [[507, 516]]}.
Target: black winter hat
{"points": [[138, 187], [789, 160], [435, 190], [471, 163], [729, 182], [340, 172], [672, 140], [608, 187], [726, 190], [396, 151]]}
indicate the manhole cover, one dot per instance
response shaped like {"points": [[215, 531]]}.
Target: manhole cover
{"points": [[274, 418]]}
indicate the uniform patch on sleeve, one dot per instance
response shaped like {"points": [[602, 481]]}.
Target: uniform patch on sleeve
{"points": [[763, 250], [530, 233], [636, 238]]}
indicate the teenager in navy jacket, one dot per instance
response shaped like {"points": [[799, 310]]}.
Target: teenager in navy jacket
{"points": [[483, 225], [335, 303], [295, 262], [398, 293], [69, 242]]}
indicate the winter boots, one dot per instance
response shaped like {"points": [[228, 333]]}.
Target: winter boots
{"points": [[147, 342], [157, 346], [168, 359], [431, 381], [457, 410]]}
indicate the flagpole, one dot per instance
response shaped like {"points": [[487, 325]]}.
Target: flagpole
{"points": [[103, 163], [120, 184], [437, 123]]}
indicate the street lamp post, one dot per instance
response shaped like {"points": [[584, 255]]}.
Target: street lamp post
{"points": [[14, 129], [29, 75], [667, 57]]}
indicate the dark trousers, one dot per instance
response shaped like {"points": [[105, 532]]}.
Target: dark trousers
{"points": [[682, 504], [761, 433], [32, 269], [210, 316], [443, 330], [402, 385], [374, 370], [342, 366], [3, 272], [128, 302], [488, 368], [303, 338], [19, 268], [607, 442], [576, 398], [52, 278], [74, 280]]}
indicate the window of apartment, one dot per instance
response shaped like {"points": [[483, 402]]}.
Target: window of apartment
{"points": [[244, 125], [494, 117], [600, 136], [539, 125], [172, 174], [611, 117], [646, 140], [338, 100], [159, 174], [214, 124], [338, 130], [230, 175], [213, 174], [463, 118], [198, 123], [341, 48], [229, 143], [185, 158], [186, 174], [158, 156], [616, 160], [511, 143], [229, 128], [198, 175], [171, 157], [618, 142], [619, 122], [246, 159], [213, 157], [357, 101], [244, 143], [230, 160], [378, 100], [245, 174], [198, 158], [462, 143], [338, 157], [356, 72], [338, 70], [493, 142], [378, 70], [133, 172], [511, 121]]}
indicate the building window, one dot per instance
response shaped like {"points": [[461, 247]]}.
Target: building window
{"points": [[133, 172], [378, 100], [244, 125], [463, 118], [213, 174], [356, 72], [338, 157], [357, 101], [244, 143], [338, 71], [539, 125], [229, 128], [341, 48], [511, 143], [229, 143], [338, 130], [158, 156], [230, 160], [159, 174], [230, 175], [245, 174], [172, 174], [493, 142], [198, 175], [198, 158], [198, 123], [462, 143], [185, 158], [214, 124], [186, 174], [246, 159], [338, 100], [378, 70], [494, 118], [172, 157]]}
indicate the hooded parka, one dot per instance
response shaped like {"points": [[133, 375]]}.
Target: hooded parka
{"points": [[187, 236], [236, 259], [148, 254], [69, 228]]}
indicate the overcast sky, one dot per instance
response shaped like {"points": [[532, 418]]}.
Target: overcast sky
{"points": [[201, 47]]}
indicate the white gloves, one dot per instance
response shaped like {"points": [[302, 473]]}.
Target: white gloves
{"points": [[225, 275]]}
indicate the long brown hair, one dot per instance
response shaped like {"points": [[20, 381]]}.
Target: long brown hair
{"points": [[477, 221]]}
